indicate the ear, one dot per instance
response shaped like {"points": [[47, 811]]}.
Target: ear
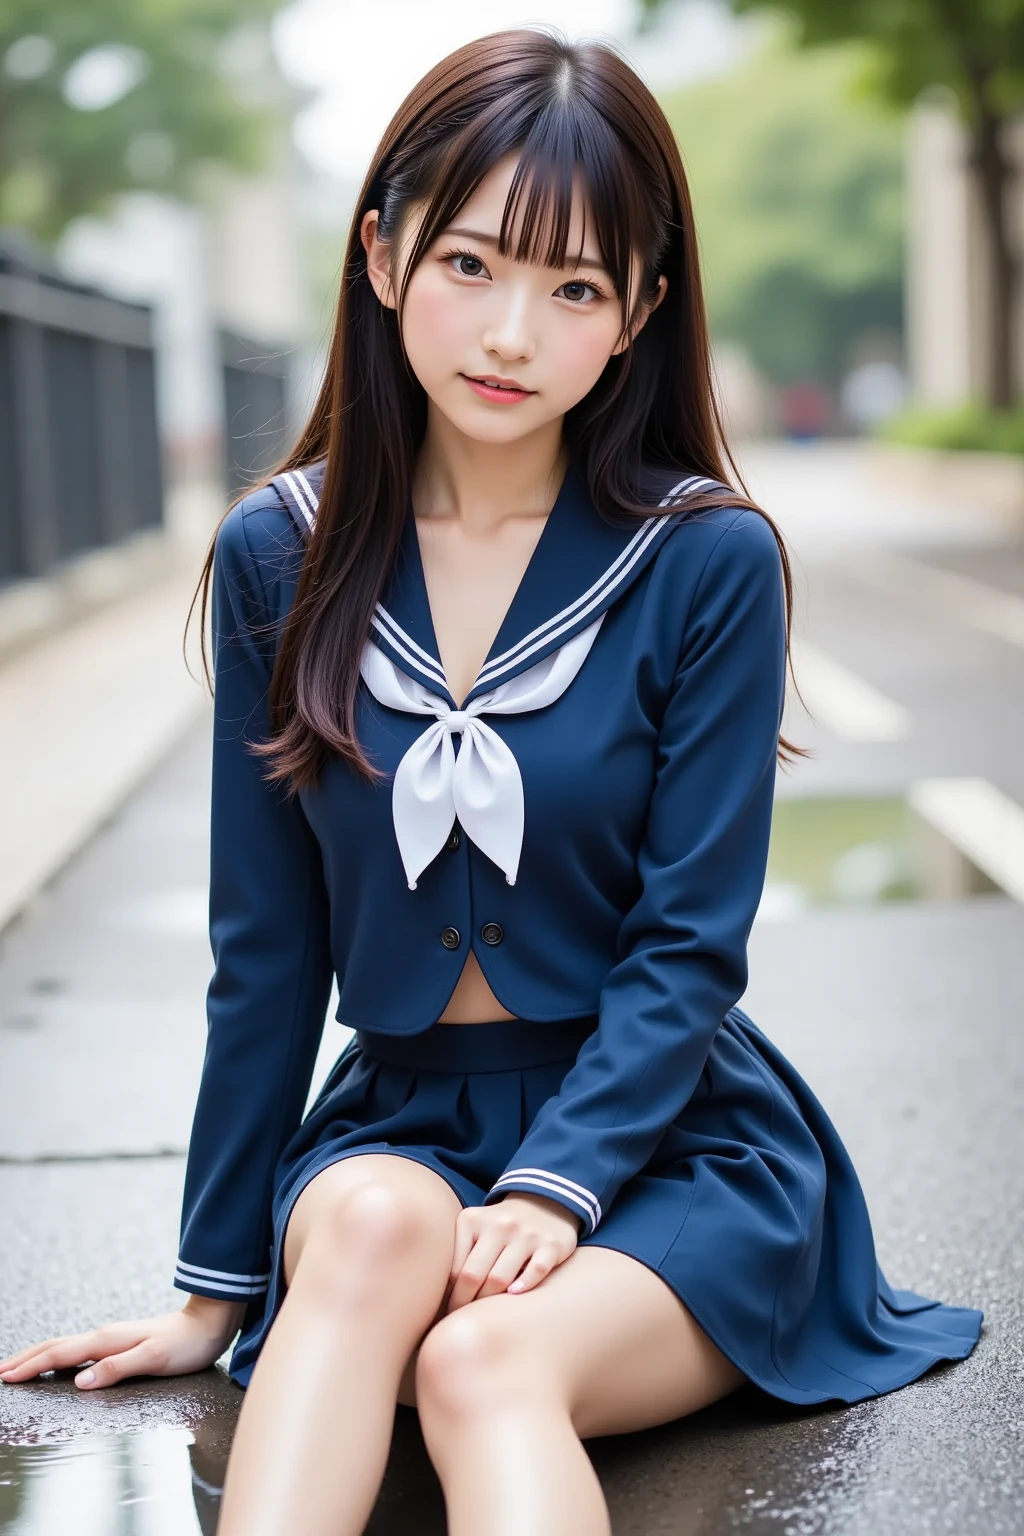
{"points": [[630, 336], [378, 258]]}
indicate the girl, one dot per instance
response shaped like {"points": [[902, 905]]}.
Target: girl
{"points": [[500, 661]]}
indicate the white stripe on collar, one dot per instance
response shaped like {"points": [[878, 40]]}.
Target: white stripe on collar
{"points": [[547, 630], [308, 504], [404, 643], [580, 606], [302, 491], [431, 667]]}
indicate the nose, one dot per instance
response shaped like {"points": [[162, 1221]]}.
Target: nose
{"points": [[509, 333]]}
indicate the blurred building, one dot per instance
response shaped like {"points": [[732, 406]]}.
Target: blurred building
{"points": [[230, 266], [226, 275]]}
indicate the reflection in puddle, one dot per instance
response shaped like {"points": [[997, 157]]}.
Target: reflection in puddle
{"points": [[861, 851], [153, 1482]]}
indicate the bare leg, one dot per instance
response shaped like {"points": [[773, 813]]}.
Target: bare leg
{"points": [[367, 1257], [508, 1386]]}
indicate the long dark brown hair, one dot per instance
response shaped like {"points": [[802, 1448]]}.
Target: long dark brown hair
{"points": [[568, 110]]}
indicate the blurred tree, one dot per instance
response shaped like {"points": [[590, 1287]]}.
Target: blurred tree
{"points": [[975, 48], [99, 97], [798, 198]]}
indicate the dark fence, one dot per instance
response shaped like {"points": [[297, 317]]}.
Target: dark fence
{"points": [[256, 425], [80, 463]]}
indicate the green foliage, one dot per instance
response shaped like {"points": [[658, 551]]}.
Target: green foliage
{"points": [[922, 43], [970, 427], [58, 160], [797, 190], [962, 44], [974, 51]]}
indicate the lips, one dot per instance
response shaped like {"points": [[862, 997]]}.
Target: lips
{"points": [[494, 382], [500, 391]]}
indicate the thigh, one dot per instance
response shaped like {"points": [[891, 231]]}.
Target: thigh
{"points": [[624, 1350], [419, 1197]]}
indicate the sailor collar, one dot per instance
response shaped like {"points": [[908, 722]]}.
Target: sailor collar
{"points": [[579, 566]]}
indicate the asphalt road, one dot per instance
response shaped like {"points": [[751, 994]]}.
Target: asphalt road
{"points": [[905, 1018]]}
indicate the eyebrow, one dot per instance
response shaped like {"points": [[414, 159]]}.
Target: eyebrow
{"points": [[477, 234]]}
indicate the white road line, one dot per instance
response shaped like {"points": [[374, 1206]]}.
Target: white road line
{"points": [[958, 597], [851, 708], [976, 817]]}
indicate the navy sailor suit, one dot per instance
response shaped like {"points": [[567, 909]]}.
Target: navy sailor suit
{"points": [[593, 822]]}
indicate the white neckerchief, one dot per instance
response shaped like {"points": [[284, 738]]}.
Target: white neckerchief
{"points": [[482, 785]]}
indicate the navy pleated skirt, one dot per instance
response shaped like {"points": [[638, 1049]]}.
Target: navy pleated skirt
{"points": [[750, 1209]]}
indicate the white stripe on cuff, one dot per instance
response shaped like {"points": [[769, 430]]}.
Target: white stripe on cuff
{"points": [[542, 1178], [222, 1274], [186, 1280], [554, 1190]]}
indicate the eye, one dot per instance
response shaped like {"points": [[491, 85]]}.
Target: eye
{"points": [[576, 292], [465, 263]]}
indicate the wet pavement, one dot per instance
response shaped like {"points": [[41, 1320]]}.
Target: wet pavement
{"points": [[920, 1060], [904, 1016]]}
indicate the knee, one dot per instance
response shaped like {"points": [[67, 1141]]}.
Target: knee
{"points": [[472, 1361], [358, 1237]]}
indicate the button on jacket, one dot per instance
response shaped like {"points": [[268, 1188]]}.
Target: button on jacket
{"points": [[592, 820]]}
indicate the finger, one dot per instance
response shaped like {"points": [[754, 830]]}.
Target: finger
{"points": [[506, 1267], [475, 1269], [145, 1359], [11, 1361], [465, 1237], [74, 1349], [53, 1355], [545, 1259]]}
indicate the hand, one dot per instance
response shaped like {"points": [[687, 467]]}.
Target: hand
{"points": [[494, 1242], [172, 1344]]}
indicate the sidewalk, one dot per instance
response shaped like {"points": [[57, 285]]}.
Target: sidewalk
{"points": [[86, 712], [834, 496]]}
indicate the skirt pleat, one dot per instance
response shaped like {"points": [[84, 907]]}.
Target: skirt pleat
{"points": [[750, 1209]]}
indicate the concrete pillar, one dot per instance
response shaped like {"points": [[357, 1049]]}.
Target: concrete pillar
{"points": [[947, 286], [937, 264]]}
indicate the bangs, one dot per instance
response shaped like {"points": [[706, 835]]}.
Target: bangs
{"points": [[548, 181], [568, 154]]}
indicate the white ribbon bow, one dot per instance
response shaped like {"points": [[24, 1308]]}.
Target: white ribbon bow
{"points": [[482, 785]]}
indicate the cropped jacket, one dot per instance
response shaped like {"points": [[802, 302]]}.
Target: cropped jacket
{"points": [[610, 775]]}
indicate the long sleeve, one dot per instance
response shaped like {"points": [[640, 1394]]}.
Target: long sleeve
{"points": [[269, 932], [682, 945]]}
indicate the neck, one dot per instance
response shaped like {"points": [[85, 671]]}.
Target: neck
{"points": [[483, 483]]}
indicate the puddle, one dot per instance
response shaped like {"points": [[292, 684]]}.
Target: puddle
{"points": [[167, 1481], [152, 1482], [859, 851]]}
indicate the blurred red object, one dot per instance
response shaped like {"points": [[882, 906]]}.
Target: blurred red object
{"points": [[805, 409]]}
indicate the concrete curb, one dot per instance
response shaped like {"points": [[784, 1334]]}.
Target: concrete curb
{"points": [[990, 483]]}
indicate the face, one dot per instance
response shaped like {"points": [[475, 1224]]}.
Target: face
{"points": [[501, 347]]}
